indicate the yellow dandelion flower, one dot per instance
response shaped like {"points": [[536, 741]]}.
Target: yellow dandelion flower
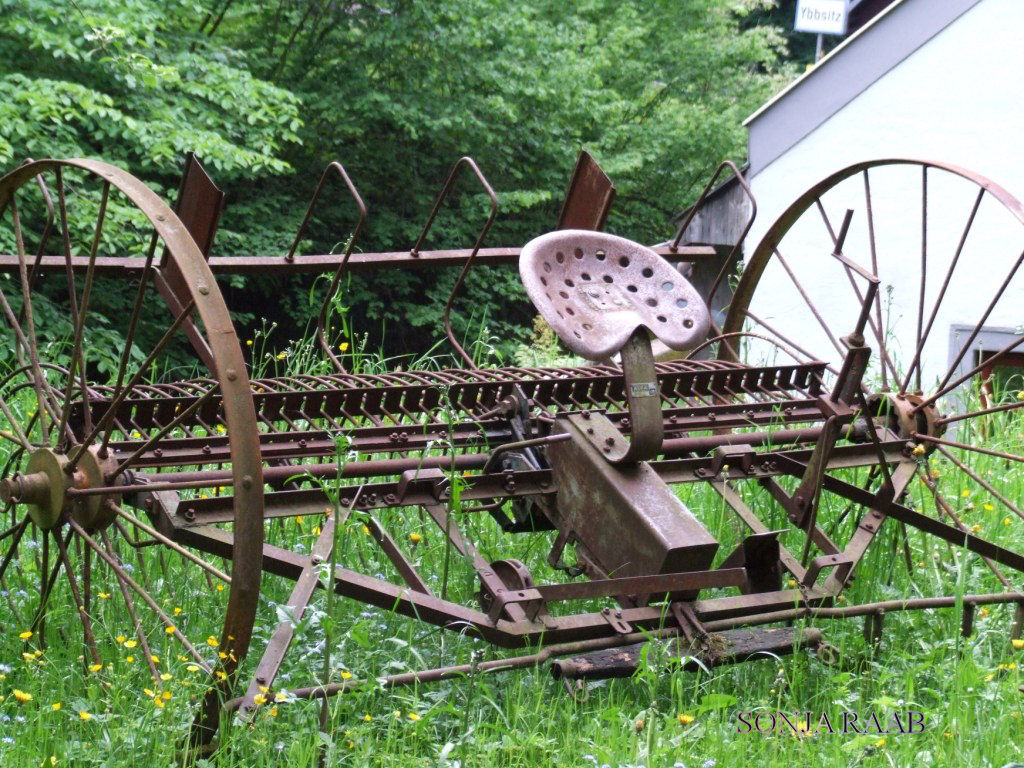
{"points": [[414, 716], [948, 735], [965, 493], [166, 695], [298, 519], [37, 653], [220, 587], [935, 475], [990, 677], [346, 675], [685, 719], [248, 342], [212, 641], [880, 742], [166, 676], [221, 674], [351, 745], [192, 668], [95, 667], [221, 428], [367, 718], [222, 655], [84, 715], [791, 583], [25, 635], [1017, 643], [1007, 521], [182, 658], [177, 611], [21, 696], [987, 507], [120, 638], [1020, 395], [975, 528], [415, 538], [130, 643], [398, 713], [56, 706], [129, 659], [170, 630], [154, 658], [259, 699], [149, 692], [273, 711], [983, 612], [918, 449], [282, 355], [366, 530], [159, 703], [103, 595], [343, 346]]}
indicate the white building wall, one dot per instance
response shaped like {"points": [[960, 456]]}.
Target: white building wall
{"points": [[959, 99]]}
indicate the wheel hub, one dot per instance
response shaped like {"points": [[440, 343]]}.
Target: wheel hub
{"points": [[44, 487], [904, 417]]}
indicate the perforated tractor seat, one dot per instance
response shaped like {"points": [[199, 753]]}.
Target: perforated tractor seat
{"points": [[596, 289]]}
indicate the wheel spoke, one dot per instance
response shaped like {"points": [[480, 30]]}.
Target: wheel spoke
{"points": [[982, 482], [147, 598], [77, 355], [90, 640], [130, 606], [924, 269], [807, 299], [964, 446], [172, 545], [133, 323], [13, 548], [943, 507], [916, 362], [120, 396], [869, 209]]}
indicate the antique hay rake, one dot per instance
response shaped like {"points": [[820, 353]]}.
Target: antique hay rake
{"points": [[592, 463]]}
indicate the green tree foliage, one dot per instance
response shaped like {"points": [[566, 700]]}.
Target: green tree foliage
{"points": [[130, 81], [267, 93]]}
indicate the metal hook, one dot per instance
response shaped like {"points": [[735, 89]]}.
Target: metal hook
{"points": [[321, 319], [462, 161]]}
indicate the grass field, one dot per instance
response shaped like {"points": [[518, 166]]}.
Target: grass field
{"points": [[56, 707]]}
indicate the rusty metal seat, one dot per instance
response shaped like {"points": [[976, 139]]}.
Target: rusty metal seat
{"points": [[595, 290], [604, 294]]}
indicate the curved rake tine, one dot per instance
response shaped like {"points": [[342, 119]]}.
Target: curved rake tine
{"points": [[452, 175], [332, 290], [695, 209]]}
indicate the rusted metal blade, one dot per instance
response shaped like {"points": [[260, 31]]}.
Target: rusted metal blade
{"points": [[589, 198]]}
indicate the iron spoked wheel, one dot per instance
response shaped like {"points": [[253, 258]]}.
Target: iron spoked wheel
{"points": [[75, 456], [944, 376]]}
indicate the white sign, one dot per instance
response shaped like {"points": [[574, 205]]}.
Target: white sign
{"points": [[824, 17]]}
